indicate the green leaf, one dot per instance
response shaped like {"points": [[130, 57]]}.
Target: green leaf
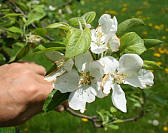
{"points": [[15, 30], [54, 56], [151, 65], [117, 121], [60, 25], [78, 42], [54, 99], [152, 42], [89, 17], [35, 15], [112, 126], [21, 53], [54, 44], [41, 49], [13, 15], [113, 110], [75, 21], [6, 22], [127, 24], [132, 43], [40, 31]]}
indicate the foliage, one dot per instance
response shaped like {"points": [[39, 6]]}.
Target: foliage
{"points": [[70, 37]]}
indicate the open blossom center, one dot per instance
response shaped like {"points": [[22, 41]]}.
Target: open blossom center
{"points": [[99, 37], [60, 63], [119, 77], [85, 78]]}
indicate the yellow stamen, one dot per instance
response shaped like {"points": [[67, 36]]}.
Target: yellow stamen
{"points": [[105, 78]]}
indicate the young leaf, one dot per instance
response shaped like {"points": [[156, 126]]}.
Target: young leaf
{"points": [[60, 25], [132, 43], [152, 42], [6, 22], [15, 30], [112, 126], [89, 17], [54, 44], [13, 15], [75, 21], [127, 24], [36, 14], [78, 42], [151, 65], [41, 49], [54, 56], [40, 31], [54, 99], [21, 53]]}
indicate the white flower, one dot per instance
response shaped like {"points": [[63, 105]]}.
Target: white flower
{"points": [[128, 70], [63, 66], [104, 36], [51, 8], [81, 82]]}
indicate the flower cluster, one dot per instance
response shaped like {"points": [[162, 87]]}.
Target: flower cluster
{"points": [[87, 78]]}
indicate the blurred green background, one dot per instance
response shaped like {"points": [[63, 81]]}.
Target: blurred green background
{"points": [[155, 15]]}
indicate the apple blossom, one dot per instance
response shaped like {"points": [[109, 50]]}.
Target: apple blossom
{"points": [[128, 70], [104, 37], [81, 82]]}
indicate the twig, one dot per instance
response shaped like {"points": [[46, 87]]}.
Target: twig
{"points": [[91, 118], [94, 119], [141, 114]]}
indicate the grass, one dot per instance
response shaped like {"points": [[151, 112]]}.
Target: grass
{"points": [[154, 13]]}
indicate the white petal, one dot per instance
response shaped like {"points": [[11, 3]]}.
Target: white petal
{"points": [[99, 41], [109, 63], [108, 25], [67, 82], [98, 49], [114, 43], [114, 25], [96, 69], [134, 81], [146, 77], [93, 32], [130, 64], [98, 89], [90, 94], [77, 99], [52, 76], [107, 84], [118, 98], [82, 59], [68, 65]]}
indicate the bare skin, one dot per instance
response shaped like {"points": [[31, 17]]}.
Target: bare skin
{"points": [[23, 91]]}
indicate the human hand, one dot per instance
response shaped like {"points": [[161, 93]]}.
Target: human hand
{"points": [[23, 91]]}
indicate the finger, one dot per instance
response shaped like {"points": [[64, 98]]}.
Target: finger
{"points": [[36, 68], [21, 66], [44, 86]]}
